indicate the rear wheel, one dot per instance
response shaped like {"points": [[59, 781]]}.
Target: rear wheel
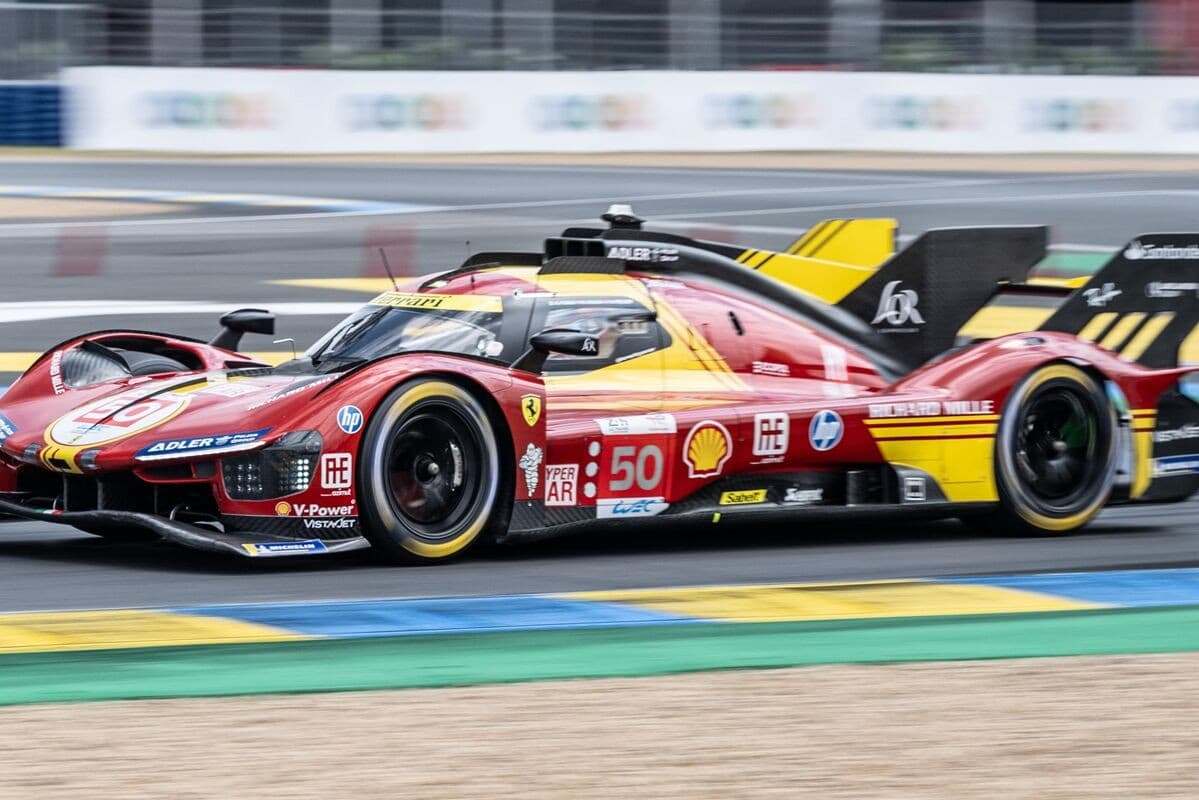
{"points": [[1055, 453], [430, 473]]}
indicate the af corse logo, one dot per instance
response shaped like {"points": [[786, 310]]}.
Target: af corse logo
{"points": [[897, 306], [337, 470], [771, 433]]}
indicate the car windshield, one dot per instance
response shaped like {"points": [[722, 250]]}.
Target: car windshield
{"points": [[399, 322]]}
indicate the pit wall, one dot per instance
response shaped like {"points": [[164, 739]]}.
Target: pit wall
{"points": [[261, 111]]}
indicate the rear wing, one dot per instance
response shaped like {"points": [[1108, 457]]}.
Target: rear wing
{"points": [[1143, 303]]}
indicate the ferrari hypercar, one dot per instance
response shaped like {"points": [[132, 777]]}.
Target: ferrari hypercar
{"points": [[622, 375]]}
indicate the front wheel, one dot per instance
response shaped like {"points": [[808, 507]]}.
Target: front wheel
{"points": [[430, 473], [1055, 453]]}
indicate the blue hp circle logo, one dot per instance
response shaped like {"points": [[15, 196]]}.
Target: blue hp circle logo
{"points": [[349, 419], [825, 431]]}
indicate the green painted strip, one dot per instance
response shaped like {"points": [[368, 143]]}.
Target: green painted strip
{"points": [[464, 659], [1071, 264]]}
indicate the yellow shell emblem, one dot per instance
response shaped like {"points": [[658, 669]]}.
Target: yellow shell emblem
{"points": [[283, 508], [707, 449]]}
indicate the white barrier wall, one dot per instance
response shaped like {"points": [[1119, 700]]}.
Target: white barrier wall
{"points": [[227, 110]]}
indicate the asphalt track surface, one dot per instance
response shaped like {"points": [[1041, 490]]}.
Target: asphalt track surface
{"points": [[222, 258]]}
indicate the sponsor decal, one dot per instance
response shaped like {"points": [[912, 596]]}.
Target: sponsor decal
{"points": [[743, 497], [1154, 252], [337, 472], [803, 497], [655, 254], [1077, 114], [916, 113], [914, 489], [1099, 296], [825, 430], [197, 445], [285, 548], [836, 367], [336, 524], [1176, 465], [771, 368], [772, 433], [7, 428], [293, 390], [577, 112], [643, 424], [530, 408], [530, 463], [400, 112], [285, 509], [56, 372], [232, 388], [1160, 437], [118, 417], [640, 507], [1170, 289], [561, 484], [207, 110], [757, 111], [931, 408], [707, 449], [897, 307], [349, 419]]}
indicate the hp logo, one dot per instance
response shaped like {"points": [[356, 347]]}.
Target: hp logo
{"points": [[825, 431], [349, 419]]}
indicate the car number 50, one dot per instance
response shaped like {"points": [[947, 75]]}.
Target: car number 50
{"points": [[642, 466]]}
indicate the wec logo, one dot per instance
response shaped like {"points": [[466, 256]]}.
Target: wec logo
{"points": [[897, 306]]}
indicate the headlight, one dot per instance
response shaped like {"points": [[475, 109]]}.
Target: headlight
{"points": [[284, 468]]}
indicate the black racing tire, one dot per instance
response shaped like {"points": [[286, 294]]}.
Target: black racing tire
{"points": [[1055, 454], [431, 474]]}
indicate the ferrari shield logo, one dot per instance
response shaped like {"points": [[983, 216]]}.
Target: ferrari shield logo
{"points": [[530, 407]]}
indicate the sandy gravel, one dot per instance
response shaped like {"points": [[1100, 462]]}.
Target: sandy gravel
{"points": [[21, 208], [1047, 729]]}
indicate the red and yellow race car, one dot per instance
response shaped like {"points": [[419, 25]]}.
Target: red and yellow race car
{"points": [[623, 374]]}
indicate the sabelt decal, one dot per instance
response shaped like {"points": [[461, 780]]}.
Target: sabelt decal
{"points": [[202, 445], [743, 497], [285, 548], [337, 473], [638, 425], [637, 507], [7, 428], [561, 484], [286, 509], [707, 449], [113, 418]]}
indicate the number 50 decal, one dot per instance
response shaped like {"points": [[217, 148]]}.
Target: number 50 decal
{"points": [[639, 465]]}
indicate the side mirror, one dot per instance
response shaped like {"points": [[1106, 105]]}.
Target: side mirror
{"points": [[558, 341], [242, 321]]}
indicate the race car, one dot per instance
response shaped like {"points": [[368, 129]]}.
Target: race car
{"points": [[622, 375]]}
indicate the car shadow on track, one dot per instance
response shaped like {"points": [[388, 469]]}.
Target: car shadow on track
{"points": [[662, 537]]}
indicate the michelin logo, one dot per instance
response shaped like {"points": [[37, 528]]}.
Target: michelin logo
{"points": [[285, 548]]}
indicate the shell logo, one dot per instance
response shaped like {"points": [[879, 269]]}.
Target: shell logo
{"points": [[283, 509], [707, 449]]}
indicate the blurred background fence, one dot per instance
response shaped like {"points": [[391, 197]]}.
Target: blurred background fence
{"points": [[1041, 36]]}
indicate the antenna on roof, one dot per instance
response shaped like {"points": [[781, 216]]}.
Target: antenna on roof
{"points": [[387, 266]]}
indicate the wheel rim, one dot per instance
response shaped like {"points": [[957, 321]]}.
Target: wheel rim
{"points": [[1057, 446], [433, 469]]}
